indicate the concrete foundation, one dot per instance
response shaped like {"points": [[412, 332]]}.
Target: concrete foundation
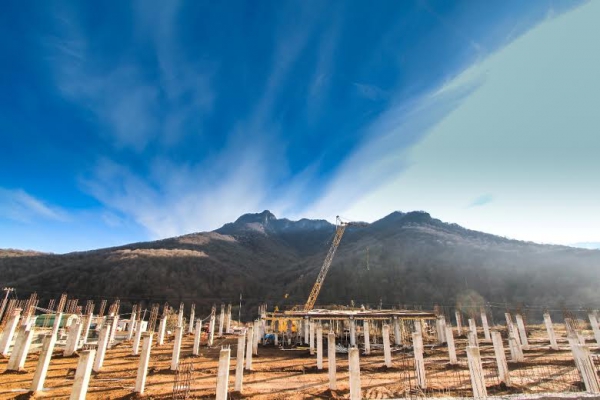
{"points": [[503, 374], [140, 381], [82, 375], [331, 361], [239, 363], [476, 372], [354, 371], [176, 348], [550, 330], [223, 374]]}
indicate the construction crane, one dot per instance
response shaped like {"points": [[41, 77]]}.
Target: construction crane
{"points": [[340, 228]]}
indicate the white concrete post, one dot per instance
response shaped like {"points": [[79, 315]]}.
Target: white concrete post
{"points": [[503, 374], [367, 335], [73, 339], [354, 370], [522, 331], [223, 374], [595, 328], [249, 347], [239, 362], [20, 350], [476, 372], [211, 331], [101, 349], [82, 375], [458, 323], [352, 332], [585, 365], [311, 327], [113, 329], [9, 331], [162, 327], [256, 337], [228, 325], [387, 350], [451, 347], [191, 321], [397, 334], [86, 328], [550, 330], [331, 361], [473, 330], [43, 363], [176, 348], [131, 326], [140, 380], [486, 327], [319, 346], [306, 330], [419, 361], [515, 349], [180, 315], [137, 339], [197, 337], [222, 320]]}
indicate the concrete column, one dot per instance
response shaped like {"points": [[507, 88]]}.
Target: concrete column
{"points": [[162, 327], [197, 337], [522, 331], [223, 374], [239, 362], [486, 327], [9, 332], [180, 315], [311, 336], [306, 330], [222, 320], [256, 337], [419, 361], [113, 329], [473, 330], [503, 374], [191, 321], [585, 365], [387, 350], [276, 338], [249, 346], [43, 363], [476, 372], [352, 332], [131, 326], [515, 349], [211, 330], [595, 328], [20, 350], [82, 375], [176, 348], [228, 320], [101, 350], [86, 328], [397, 333], [140, 380], [472, 339], [367, 335], [331, 361], [354, 370], [137, 339], [319, 340], [73, 339], [458, 323], [451, 347], [550, 330]]}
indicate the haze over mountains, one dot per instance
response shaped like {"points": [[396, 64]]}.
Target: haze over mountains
{"points": [[402, 259]]}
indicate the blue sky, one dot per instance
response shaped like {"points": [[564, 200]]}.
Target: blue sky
{"points": [[130, 121]]}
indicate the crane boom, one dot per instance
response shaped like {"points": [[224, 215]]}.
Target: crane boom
{"points": [[314, 293]]}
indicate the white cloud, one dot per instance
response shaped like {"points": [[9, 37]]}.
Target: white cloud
{"points": [[18, 205], [523, 126]]}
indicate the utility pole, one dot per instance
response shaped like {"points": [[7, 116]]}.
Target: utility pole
{"points": [[3, 306]]}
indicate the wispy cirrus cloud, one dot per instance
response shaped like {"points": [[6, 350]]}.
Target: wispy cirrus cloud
{"points": [[18, 205], [481, 200]]}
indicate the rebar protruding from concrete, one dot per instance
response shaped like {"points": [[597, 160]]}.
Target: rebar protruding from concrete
{"points": [[367, 337], [419, 361], [331, 361], [550, 330], [103, 338], [503, 374], [239, 362], [354, 370], [451, 347], [249, 346], [476, 372], [140, 381], [223, 374], [17, 358], [176, 348], [82, 375]]}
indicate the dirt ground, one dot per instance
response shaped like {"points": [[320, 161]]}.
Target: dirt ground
{"points": [[292, 374]]}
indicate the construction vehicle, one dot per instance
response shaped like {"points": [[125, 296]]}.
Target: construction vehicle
{"points": [[340, 228]]}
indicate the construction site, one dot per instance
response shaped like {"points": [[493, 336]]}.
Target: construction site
{"points": [[73, 349]]}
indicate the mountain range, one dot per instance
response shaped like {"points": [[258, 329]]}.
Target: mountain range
{"points": [[402, 260]]}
